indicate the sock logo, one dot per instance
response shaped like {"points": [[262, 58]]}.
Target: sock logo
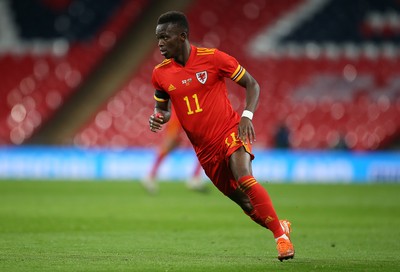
{"points": [[269, 219]]}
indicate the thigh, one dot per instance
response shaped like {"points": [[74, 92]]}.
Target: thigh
{"points": [[240, 163], [239, 157], [221, 176], [231, 161]]}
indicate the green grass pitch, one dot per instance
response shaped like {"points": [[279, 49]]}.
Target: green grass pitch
{"points": [[116, 226]]}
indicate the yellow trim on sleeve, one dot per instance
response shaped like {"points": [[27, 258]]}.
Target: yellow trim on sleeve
{"points": [[236, 71], [160, 99], [240, 75]]}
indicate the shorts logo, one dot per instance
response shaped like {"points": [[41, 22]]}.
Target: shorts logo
{"points": [[232, 141], [202, 77]]}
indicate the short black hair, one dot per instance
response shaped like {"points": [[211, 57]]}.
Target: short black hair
{"points": [[174, 17]]}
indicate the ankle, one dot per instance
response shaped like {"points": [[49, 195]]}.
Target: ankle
{"points": [[284, 236]]}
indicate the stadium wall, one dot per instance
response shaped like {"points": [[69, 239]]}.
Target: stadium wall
{"points": [[55, 163]]}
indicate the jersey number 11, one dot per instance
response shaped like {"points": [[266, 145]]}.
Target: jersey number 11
{"points": [[196, 101]]}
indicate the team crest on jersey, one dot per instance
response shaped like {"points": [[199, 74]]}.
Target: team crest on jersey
{"points": [[202, 77]]}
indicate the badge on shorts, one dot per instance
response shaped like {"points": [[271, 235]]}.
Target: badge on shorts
{"points": [[202, 77]]}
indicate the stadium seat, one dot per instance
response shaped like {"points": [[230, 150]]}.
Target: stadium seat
{"points": [[47, 64], [329, 83]]}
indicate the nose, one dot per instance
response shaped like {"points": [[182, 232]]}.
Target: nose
{"points": [[160, 43]]}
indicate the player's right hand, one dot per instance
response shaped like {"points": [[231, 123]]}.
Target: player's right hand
{"points": [[155, 121]]}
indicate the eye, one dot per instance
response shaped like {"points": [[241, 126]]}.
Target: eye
{"points": [[162, 37]]}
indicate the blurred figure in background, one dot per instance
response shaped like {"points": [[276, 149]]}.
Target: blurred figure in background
{"points": [[172, 140], [341, 143], [282, 137]]}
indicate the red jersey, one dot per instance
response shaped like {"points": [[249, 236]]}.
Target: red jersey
{"points": [[199, 96]]}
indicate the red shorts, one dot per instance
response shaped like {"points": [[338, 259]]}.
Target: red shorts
{"points": [[218, 168]]}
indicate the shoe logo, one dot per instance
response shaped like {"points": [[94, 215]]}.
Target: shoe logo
{"points": [[171, 87], [202, 77]]}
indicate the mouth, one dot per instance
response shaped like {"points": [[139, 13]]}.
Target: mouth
{"points": [[163, 52]]}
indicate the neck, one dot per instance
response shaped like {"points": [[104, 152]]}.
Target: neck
{"points": [[183, 58]]}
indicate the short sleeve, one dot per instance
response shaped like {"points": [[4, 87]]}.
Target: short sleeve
{"points": [[228, 66], [154, 81], [160, 94]]}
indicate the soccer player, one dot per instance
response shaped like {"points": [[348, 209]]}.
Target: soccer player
{"points": [[193, 80], [173, 137]]}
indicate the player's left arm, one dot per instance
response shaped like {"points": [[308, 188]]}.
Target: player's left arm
{"points": [[246, 130]]}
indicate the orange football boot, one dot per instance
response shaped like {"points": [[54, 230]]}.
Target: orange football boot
{"points": [[285, 247]]}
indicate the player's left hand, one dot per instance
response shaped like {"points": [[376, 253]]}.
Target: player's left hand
{"points": [[246, 130]]}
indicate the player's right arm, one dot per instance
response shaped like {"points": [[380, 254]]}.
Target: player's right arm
{"points": [[162, 108], [162, 111]]}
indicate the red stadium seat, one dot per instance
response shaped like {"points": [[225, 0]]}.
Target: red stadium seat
{"points": [[48, 79], [323, 94]]}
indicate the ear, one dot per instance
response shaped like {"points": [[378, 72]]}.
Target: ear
{"points": [[184, 36]]}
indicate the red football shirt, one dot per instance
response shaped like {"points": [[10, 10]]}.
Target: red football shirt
{"points": [[199, 95]]}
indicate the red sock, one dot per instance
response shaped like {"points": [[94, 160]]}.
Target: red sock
{"points": [[264, 212], [197, 170], [160, 157]]}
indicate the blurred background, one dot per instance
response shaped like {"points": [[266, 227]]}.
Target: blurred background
{"points": [[76, 94]]}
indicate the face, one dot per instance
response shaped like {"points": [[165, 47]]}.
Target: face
{"points": [[170, 40]]}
